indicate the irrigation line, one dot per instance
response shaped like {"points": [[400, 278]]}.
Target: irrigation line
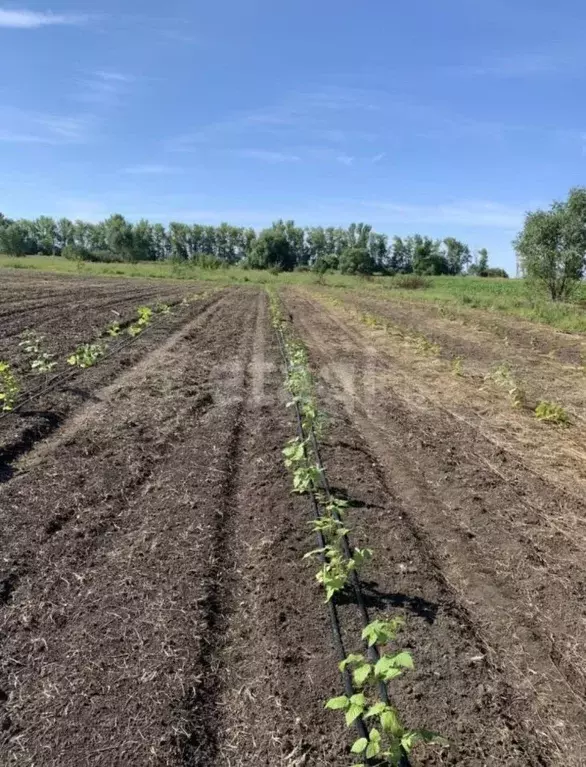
{"points": [[61, 378], [372, 652], [347, 547], [332, 611]]}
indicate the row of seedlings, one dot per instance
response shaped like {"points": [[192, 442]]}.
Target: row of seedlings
{"points": [[86, 355], [382, 738]]}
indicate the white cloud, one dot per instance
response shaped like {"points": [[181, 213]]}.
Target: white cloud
{"points": [[23, 19], [345, 159], [378, 157], [267, 156]]}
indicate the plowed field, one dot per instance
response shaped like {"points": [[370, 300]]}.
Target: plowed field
{"points": [[155, 607]]}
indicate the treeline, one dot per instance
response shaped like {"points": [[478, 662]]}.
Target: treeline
{"points": [[284, 246]]}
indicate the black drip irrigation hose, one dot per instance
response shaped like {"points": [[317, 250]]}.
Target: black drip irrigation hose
{"points": [[372, 652], [333, 613], [61, 378]]}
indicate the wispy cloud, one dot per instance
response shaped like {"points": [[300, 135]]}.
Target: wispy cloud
{"points": [[23, 19], [469, 213], [267, 156], [22, 138], [345, 159], [103, 87], [330, 115], [26, 127], [150, 170], [378, 157], [109, 76]]}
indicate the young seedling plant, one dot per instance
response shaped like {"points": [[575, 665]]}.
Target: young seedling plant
{"points": [[390, 741], [40, 360], [114, 329], [9, 387], [86, 355], [145, 316], [552, 413]]}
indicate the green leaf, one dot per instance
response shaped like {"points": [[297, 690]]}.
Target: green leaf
{"points": [[382, 632], [352, 658], [359, 746], [353, 713], [390, 722], [403, 660], [373, 747], [362, 673], [413, 737], [375, 710], [337, 703], [358, 700], [390, 666]]}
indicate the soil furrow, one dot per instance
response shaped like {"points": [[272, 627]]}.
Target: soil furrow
{"points": [[454, 506]]}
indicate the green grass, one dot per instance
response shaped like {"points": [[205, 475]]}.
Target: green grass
{"points": [[511, 297], [156, 270]]}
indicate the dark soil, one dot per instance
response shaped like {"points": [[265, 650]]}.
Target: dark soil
{"points": [[46, 400], [471, 546], [155, 607]]}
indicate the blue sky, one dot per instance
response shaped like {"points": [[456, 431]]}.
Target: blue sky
{"points": [[447, 118]]}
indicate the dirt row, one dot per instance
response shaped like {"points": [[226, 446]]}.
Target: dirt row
{"points": [[72, 311], [486, 532], [155, 608], [548, 364]]}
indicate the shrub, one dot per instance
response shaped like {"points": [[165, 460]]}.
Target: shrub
{"points": [[326, 263], [75, 253], [410, 282], [495, 271], [207, 261]]}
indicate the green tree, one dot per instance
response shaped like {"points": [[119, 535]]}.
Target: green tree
{"points": [[480, 265], [272, 250], [328, 262], [358, 235], [427, 256], [160, 242], [15, 239], [356, 260], [378, 247], [65, 234], [46, 235], [143, 242], [401, 256], [119, 237], [552, 245], [457, 255]]}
